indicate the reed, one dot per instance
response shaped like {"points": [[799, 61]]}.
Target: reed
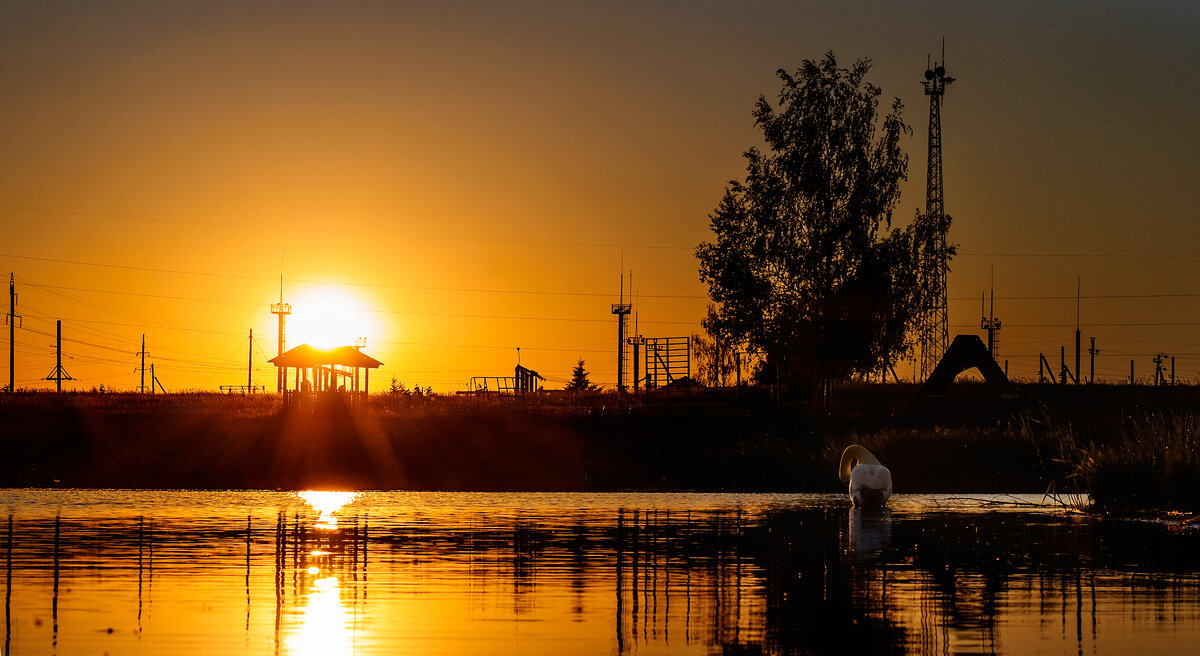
{"points": [[1150, 461]]}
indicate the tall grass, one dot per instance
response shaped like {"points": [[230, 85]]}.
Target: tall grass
{"points": [[1151, 461]]}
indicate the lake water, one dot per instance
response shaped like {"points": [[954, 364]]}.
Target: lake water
{"points": [[119, 572]]}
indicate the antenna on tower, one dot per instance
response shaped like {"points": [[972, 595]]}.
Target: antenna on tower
{"points": [[989, 322], [933, 328]]}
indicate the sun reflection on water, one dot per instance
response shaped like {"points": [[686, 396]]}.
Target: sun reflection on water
{"points": [[323, 621], [327, 504], [323, 628]]}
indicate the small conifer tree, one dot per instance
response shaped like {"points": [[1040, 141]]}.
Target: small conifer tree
{"points": [[579, 380]]}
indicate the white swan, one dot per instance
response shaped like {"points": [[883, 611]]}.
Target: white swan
{"points": [[870, 482]]}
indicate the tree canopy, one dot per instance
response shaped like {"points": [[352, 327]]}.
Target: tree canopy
{"points": [[805, 266]]}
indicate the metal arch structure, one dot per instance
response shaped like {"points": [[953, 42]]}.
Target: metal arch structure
{"points": [[933, 326]]}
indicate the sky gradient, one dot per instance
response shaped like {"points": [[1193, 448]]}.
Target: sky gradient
{"points": [[476, 176]]}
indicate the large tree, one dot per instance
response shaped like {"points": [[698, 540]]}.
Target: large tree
{"points": [[806, 266]]}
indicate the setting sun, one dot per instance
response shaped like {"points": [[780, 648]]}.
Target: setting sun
{"points": [[326, 318]]}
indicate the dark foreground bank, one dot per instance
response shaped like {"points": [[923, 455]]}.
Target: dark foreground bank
{"points": [[708, 441]]}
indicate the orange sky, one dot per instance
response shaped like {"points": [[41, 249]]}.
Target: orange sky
{"points": [[476, 176]]}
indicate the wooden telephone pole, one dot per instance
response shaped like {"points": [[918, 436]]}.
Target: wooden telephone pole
{"points": [[12, 317]]}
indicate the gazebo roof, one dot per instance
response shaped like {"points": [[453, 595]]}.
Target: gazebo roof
{"points": [[305, 356]]}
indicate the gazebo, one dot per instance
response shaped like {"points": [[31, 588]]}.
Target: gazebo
{"points": [[320, 370]]}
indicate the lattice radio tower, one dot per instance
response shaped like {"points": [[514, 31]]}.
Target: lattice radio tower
{"points": [[934, 327], [280, 310]]}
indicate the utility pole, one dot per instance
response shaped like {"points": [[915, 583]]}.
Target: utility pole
{"points": [[933, 331], [636, 341], [58, 370], [142, 353], [1092, 352], [1159, 377], [250, 364], [1065, 371], [1078, 371], [59, 374], [12, 318]]}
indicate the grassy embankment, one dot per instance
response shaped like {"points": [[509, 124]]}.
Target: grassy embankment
{"points": [[1127, 446]]}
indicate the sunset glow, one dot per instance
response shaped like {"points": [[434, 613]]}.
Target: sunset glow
{"points": [[352, 151], [327, 504], [326, 318]]}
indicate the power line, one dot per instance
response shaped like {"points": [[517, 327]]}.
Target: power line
{"points": [[77, 341], [143, 295], [524, 318], [402, 312], [499, 348], [1084, 255], [1090, 325], [1084, 297], [353, 233], [329, 282]]}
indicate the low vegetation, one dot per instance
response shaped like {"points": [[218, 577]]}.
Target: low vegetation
{"points": [[1127, 447], [1147, 462]]}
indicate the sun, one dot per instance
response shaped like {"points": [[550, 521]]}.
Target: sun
{"points": [[326, 318]]}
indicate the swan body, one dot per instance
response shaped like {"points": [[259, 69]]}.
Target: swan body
{"points": [[870, 482]]}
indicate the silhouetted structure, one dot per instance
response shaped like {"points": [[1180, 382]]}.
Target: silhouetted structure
{"points": [[524, 381], [933, 325], [668, 359], [527, 380], [622, 310], [281, 310], [991, 324], [59, 374], [318, 370], [12, 317], [966, 352]]}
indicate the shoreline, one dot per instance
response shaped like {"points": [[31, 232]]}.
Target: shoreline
{"points": [[708, 442]]}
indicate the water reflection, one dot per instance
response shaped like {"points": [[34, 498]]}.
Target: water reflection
{"points": [[868, 533], [323, 627], [256, 573], [327, 504]]}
